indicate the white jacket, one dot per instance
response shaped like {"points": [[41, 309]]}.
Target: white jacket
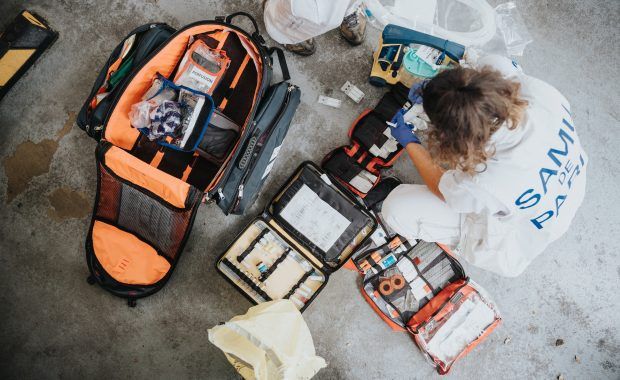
{"points": [[532, 187]]}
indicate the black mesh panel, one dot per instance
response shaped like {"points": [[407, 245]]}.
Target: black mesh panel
{"points": [[109, 195], [141, 214]]}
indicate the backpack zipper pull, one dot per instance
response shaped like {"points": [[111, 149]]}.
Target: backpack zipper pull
{"points": [[240, 193]]}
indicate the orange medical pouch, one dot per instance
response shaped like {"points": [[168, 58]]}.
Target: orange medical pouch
{"points": [[422, 289], [358, 166]]}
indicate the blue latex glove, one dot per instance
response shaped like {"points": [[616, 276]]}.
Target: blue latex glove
{"points": [[403, 132], [415, 93]]}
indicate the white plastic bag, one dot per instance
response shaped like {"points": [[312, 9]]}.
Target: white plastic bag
{"points": [[140, 114], [467, 22], [513, 29], [270, 342]]}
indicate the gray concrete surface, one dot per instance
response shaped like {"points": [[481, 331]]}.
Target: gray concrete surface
{"points": [[53, 325]]}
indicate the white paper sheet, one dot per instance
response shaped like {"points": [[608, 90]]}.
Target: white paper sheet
{"points": [[314, 218]]}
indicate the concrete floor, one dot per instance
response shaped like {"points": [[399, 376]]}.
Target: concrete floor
{"points": [[56, 326]]}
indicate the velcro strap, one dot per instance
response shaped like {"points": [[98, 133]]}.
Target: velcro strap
{"points": [[365, 161], [356, 154]]}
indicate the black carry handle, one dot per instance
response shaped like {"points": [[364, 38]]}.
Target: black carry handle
{"points": [[256, 33], [282, 60]]}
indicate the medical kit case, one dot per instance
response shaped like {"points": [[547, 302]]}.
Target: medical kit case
{"points": [[359, 165], [21, 44], [149, 191], [308, 231], [422, 289]]}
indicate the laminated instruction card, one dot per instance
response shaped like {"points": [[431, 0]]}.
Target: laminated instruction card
{"points": [[315, 218]]}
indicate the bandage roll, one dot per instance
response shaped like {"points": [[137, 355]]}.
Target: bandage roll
{"points": [[397, 281], [365, 266], [385, 287]]}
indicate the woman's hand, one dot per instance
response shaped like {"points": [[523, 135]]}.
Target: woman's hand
{"points": [[402, 131]]}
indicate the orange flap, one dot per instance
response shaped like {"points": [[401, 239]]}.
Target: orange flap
{"points": [[126, 258], [130, 168], [434, 304], [350, 266]]}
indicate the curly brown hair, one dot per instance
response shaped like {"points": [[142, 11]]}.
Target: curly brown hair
{"points": [[465, 107]]}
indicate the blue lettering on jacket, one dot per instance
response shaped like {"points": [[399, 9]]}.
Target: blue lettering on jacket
{"points": [[564, 166]]}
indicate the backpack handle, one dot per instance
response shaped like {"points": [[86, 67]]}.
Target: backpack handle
{"points": [[256, 33], [281, 60]]}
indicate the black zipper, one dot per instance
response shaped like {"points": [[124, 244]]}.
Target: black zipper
{"points": [[257, 154]]}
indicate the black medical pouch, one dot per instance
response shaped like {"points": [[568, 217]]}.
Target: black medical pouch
{"points": [[255, 160], [308, 231], [358, 166]]}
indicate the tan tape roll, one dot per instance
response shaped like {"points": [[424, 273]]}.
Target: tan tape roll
{"points": [[385, 287], [397, 281]]}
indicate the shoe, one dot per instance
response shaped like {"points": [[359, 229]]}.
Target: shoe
{"points": [[304, 48], [353, 27]]}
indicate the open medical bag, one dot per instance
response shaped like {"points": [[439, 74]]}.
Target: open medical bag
{"points": [[358, 166], [422, 289], [149, 190], [418, 287], [308, 231], [243, 97]]}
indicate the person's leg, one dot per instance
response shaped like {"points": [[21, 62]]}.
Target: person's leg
{"points": [[304, 48], [414, 212], [283, 27], [295, 23], [353, 27]]}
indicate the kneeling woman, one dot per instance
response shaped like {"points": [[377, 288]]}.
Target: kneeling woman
{"points": [[504, 172]]}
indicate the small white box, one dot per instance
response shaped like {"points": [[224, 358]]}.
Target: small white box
{"points": [[353, 92], [329, 101]]}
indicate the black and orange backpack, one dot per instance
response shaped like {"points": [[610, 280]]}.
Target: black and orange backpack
{"points": [[148, 193]]}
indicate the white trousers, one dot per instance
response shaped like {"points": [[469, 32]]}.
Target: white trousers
{"points": [[414, 212], [294, 21]]}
